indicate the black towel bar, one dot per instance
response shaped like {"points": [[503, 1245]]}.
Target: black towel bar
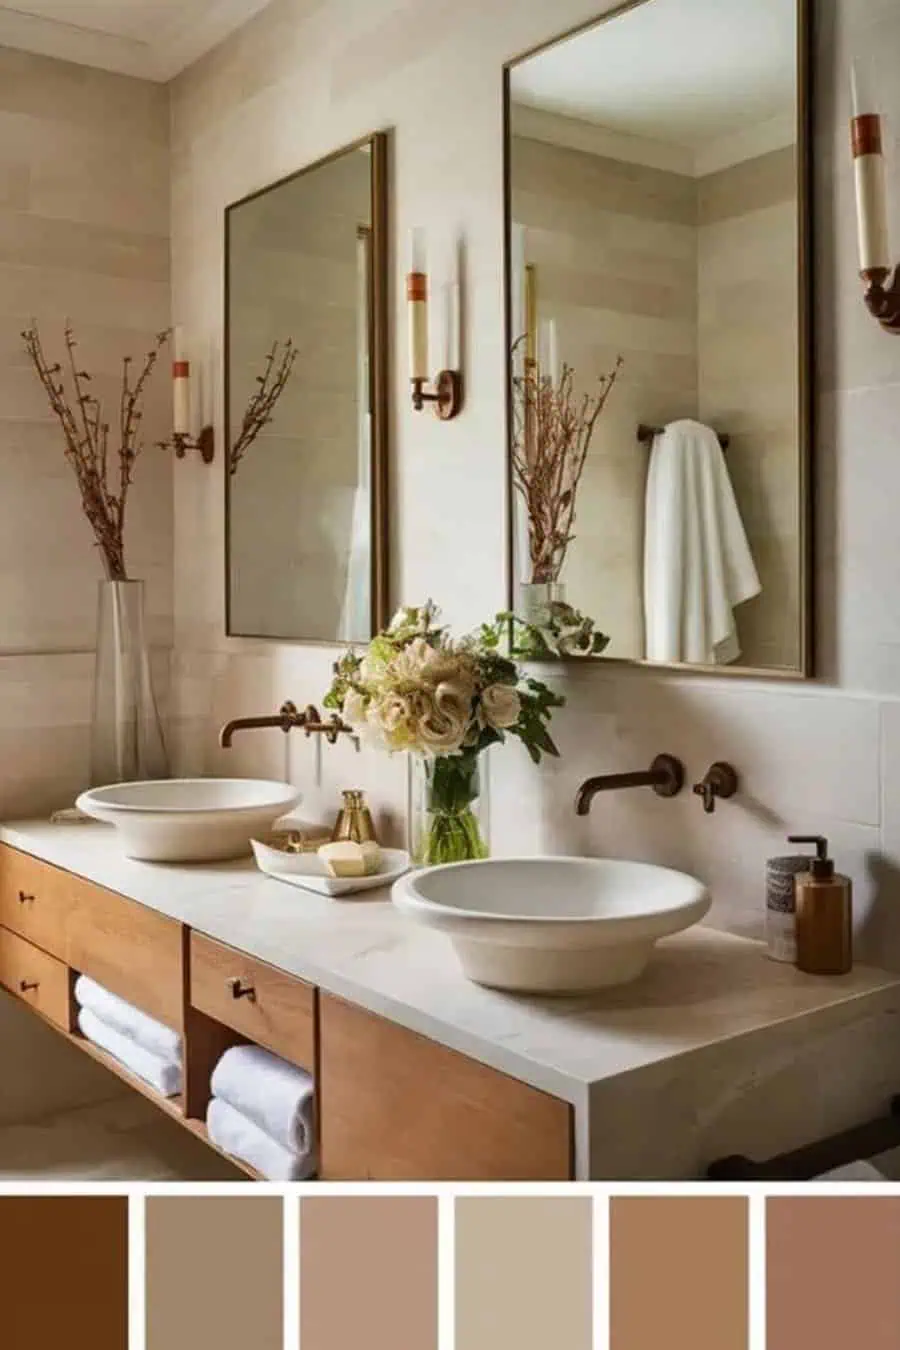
{"points": [[646, 433], [803, 1164]]}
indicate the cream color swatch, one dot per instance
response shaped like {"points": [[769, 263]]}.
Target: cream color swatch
{"points": [[214, 1273], [524, 1273]]}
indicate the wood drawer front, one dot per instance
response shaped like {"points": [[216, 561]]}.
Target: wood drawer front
{"points": [[280, 1014], [395, 1106], [36, 978], [33, 900], [128, 948]]}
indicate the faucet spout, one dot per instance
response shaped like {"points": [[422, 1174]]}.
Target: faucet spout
{"points": [[665, 776], [287, 719]]}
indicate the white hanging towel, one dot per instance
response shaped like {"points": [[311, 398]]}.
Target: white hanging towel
{"points": [[697, 563]]}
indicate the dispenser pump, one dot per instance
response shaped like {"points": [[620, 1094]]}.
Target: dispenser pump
{"points": [[821, 866]]}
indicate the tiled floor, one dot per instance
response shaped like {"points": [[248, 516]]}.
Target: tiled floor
{"points": [[125, 1139]]}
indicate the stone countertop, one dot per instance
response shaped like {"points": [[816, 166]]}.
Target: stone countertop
{"points": [[703, 988]]}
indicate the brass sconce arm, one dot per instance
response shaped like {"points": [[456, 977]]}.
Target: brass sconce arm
{"points": [[205, 445], [446, 394], [882, 296], [288, 718]]}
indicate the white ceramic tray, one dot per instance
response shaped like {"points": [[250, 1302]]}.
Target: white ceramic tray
{"points": [[308, 871]]}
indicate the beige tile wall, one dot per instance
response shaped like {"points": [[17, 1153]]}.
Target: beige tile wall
{"points": [[748, 385], [614, 247], [306, 77]]}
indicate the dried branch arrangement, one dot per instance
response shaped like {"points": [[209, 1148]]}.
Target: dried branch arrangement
{"points": [[261, 408], [552, 433], [102, 456]]}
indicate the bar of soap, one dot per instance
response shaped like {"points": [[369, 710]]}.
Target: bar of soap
{"points": [[371, 857], [343, 859]]}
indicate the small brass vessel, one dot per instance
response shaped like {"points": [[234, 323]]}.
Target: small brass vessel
{"points": [[354, 821]]}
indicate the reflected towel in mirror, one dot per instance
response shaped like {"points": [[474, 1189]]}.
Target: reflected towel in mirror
{"points": [[697, 562]]}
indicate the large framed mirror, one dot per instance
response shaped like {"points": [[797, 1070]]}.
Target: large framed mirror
{"points": [[306, 402], [658, 300]]}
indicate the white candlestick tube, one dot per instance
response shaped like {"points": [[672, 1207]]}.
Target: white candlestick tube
{"points": [[181, 387], [417, 298], [871, 193]]}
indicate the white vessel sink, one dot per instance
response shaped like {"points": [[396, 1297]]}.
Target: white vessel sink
{"points": [[552, 925], [189, 819]]}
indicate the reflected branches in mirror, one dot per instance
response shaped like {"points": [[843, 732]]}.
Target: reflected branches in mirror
{"points": [[261, 408]]}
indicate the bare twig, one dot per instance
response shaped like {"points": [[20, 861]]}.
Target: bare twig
{"points": [[87, 437], [552, 435], [260, 410]]}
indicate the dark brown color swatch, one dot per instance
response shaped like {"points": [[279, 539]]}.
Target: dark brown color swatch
{"points": [[368, 1273], [63, 1272], [524, 1273], [833, 1279], [215, 1273], [679, 1273]]}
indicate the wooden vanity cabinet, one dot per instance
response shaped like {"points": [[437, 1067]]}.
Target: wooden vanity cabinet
{"points": [[395, 1106]]}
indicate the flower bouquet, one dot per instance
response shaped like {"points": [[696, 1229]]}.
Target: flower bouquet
{"points": [[444, 701]]}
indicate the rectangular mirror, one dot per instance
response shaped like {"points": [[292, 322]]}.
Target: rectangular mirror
{"points": [[660, 365], [306, 397]]}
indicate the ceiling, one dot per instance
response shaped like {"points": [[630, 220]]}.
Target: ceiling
{"points": [[684, 71], [155, 39]]}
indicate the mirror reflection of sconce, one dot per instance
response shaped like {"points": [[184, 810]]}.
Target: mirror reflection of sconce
{"points": [[447, 392], [880, 278], [183, 439]]}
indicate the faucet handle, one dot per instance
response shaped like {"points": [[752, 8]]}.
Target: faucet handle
{"points": [[721, 781]]}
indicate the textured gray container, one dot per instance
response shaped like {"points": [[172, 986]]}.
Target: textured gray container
{"points": [[781, 905]]}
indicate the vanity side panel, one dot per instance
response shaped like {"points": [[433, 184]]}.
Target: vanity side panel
{"points": [[395, 1106]]}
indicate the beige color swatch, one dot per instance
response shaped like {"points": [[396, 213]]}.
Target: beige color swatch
{"points": [[833, 1272], [679, 1273], [524, 1273], [368, 1273], [215, 1273]]}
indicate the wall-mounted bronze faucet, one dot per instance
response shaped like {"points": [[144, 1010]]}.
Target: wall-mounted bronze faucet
{"points": [[287, 719], [721, 781], [665, 776]]}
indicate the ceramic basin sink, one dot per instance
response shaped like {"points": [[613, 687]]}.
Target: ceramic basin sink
{"points": [[552, 925], [189, 819]]}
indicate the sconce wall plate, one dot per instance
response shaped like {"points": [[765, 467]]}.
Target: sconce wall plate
{"points": [[205, 445], [882, 296], [445, 397]]}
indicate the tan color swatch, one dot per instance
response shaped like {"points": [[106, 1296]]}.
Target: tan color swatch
{"points": [[368, 1273], [833, 1272], [215, 1273], [64, 1272], [524, 1273], [679, 1273]]}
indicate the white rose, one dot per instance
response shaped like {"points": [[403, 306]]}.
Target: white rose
{"points": [[453, 699], [441, 733], [392, 719], [501, 706], [354, 709]]}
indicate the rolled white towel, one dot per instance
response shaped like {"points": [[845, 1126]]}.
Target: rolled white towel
{"points": [[275, 1095], [233, 1133], [130, 1021], [161, 1074]]}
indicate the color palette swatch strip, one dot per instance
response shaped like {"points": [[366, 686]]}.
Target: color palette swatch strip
{"points": [[347, 1271]]}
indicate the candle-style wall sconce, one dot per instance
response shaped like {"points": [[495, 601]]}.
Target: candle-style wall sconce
{"points": [[446, 392], [880, 277], [183, 439]]}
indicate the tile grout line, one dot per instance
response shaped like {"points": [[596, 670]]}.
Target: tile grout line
{"points": [[137, 1272], [756, 1272], [446, 1214], [600, 1270], [291, 1210]]}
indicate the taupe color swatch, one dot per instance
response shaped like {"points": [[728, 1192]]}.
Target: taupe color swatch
{"points": [[368, 1273], [215, 1273], [524, 1273], [833, 1278], [64, 1272], [679, 1273]]}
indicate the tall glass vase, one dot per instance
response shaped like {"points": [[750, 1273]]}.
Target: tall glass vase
{"points": [[536, 599], [127, 741], [448, 809]]}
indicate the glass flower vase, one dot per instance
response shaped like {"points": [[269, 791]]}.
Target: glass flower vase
{"points": [[127, 742], [536, 599], [448, 809]]}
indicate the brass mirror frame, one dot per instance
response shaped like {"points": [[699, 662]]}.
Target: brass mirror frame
{"points": [[379, 310], [805, 670]]}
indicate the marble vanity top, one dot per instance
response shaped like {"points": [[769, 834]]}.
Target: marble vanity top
{"points": [[704, 987]]}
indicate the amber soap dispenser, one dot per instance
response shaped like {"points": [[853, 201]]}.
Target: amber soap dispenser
{"points": [[824, 913]]}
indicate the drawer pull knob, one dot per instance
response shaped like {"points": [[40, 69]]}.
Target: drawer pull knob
{"points": [[241, 990], [26, 985], [25, 898]]}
